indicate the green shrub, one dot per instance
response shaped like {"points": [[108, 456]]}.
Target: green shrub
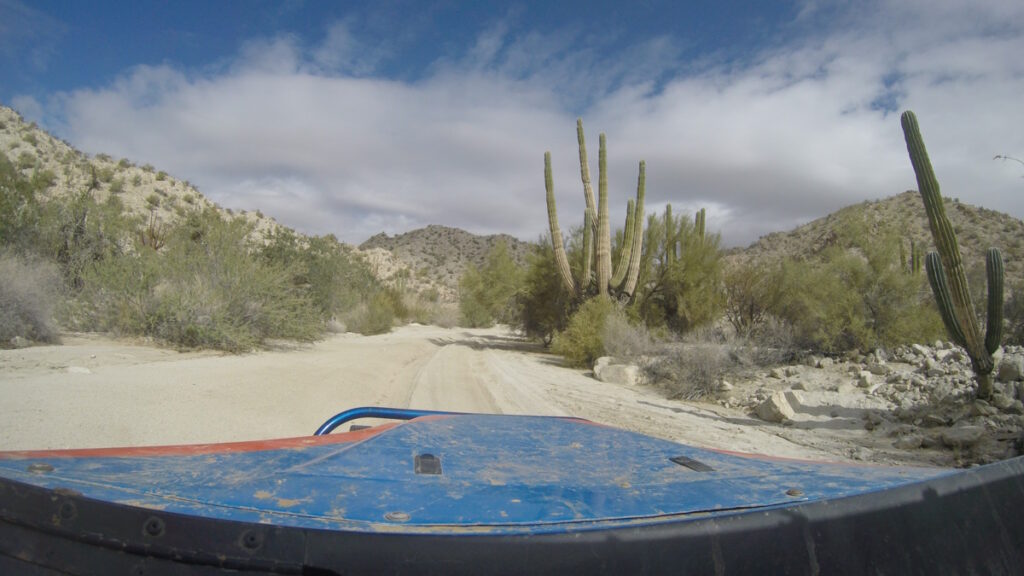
{"points": [[29, 291], [544, 304], [117, 185], [161, 176], [205, 289], [581, 343], [488, 294], [375, 317], [854, 295]]}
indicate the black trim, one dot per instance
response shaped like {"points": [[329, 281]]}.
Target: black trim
{"points": [[966, 523]]}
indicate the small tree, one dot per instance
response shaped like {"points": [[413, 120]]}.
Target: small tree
{"points": [[544, 304], [488, 294]]}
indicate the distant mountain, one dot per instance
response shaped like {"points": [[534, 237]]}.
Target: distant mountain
{"points": [[977, 230], [441, 254]]}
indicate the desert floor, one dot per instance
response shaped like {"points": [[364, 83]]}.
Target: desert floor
{"points": [[94, 391]]}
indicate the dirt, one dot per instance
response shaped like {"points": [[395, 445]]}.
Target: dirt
{"points": [[95, 391]]}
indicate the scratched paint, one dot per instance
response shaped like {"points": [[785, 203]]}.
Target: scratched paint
{"points": [[500, 474]]}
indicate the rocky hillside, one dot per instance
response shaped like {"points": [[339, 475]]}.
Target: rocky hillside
{"points": [[977, 230], [439, 254], [144, 191]]}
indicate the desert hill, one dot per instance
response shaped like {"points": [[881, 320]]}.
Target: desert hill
{"points": [[439, 254], [144, 191], [977, 230]]}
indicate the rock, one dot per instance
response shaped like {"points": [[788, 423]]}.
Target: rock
{"points": [[1011, 369], [606, 370], [864, 379], [1015, 407], [1002, 402], [910, 442], [794, 399], [825, 363], [792, 371], [800, 385], [879, 369], [920, 350], [776, 373], [932, 421], [20, 342], [775, 409], [724, 386], [963, 436], [982, 408]]}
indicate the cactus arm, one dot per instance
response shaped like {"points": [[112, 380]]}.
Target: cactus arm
{"points": [[638, 232], [700, 225], [604, 248], [949, 251], [588, 250], [627, 247], [994, 325], [670, 236], [588, 190], [937, 279], [561, 260]]}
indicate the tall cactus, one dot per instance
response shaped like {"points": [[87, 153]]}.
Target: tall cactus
{"points": [[698, 221], [622, 281], [946, 271]]}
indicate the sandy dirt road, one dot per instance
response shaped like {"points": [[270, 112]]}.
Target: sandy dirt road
{"points": [[93, 391]]}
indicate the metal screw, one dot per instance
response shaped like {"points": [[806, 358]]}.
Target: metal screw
{"points": [[154, 526], [251, 539], [67, 510]]}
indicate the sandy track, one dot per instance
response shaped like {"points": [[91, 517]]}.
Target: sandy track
{"points": [[93, 391]]}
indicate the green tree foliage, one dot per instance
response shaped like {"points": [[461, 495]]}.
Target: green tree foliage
{"points": [[854, 295], [680, 275], [544, 303], [488, 294]]}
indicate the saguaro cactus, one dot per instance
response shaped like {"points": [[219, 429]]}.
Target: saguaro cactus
{"points": [[622, 281], [946, 271]]}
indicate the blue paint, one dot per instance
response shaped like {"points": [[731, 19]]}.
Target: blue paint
{"points": [[499, 475]]}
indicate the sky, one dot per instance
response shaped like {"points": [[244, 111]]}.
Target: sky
{"points": [[354, 118]]}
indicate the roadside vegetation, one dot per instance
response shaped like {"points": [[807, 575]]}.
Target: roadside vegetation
{"points": [[206, 281]]}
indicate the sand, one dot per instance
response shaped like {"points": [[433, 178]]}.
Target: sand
{"points": [[95, 391]]}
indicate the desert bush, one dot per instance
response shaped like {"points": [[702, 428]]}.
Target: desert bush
{"points": [[854, 295], [680, 275], [374, 317], [488, 294], [1013, 313], [117, 185], [19, 209], [544, 304], [581, 343], [750, 292], [205, 289], [29, 291]]}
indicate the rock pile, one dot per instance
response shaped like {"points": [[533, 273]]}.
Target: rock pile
{"points": [[918, 397]]}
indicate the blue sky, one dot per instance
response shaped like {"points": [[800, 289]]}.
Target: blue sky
{"points": [[354, 118]]}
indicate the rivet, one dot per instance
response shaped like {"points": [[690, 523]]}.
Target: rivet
{"points": [[397, 516], [794, 492]]}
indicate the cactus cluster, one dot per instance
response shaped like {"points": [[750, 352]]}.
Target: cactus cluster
{"points": [[597, 231], [946, 271]]}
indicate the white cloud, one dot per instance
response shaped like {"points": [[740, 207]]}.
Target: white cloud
{"points": [[799, 130]]}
